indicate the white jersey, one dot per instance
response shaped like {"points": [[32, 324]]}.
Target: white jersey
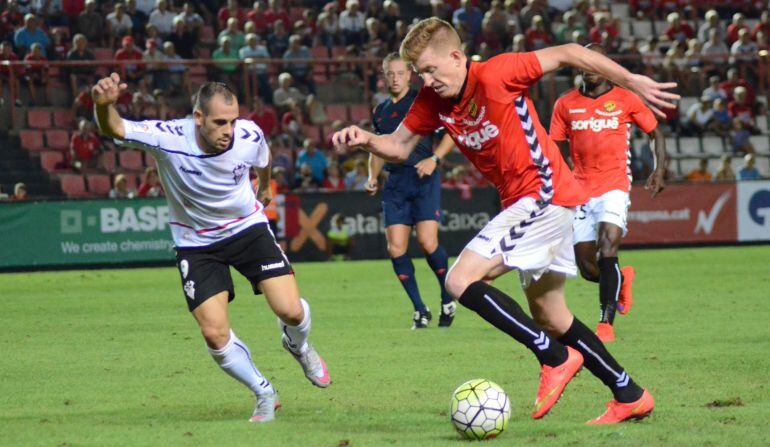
{"points": [[209, 195]]}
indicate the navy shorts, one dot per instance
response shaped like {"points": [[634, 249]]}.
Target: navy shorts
{"points": [[408, 199]]}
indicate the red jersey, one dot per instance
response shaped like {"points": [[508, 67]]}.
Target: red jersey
{"points": [[598, 131], [494, 123]]}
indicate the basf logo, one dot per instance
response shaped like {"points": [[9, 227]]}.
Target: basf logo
{"points": [[754, 211]]}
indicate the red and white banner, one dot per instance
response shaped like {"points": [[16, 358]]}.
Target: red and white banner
{"points": [[683, 214]]}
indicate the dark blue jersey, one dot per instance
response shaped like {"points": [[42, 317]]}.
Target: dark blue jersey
{"points": [[386, 119]]}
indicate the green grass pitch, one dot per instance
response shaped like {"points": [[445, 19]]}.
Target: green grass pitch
{"points": [[111, 357]]}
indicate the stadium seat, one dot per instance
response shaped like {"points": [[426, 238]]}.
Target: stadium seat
{"points": [[39, 118], [57, 139], [319, 52], [625, 30], [31, 140], [208, 33], [103, 54], [131, 160], [99, 184], [63, 118], [687, 146], [204, 53], [338, 52], [50, 159], [761, 144], [685, 103], [131, 181], [672, 146], [659, 26], [763, 164], [149, 161], [713, 145], [73, 185], [687, 165], [360, 112], [620, 11], [337, 112], [108, 160], [642, 28]]}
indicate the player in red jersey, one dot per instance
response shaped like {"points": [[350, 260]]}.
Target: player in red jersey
{"points": [[592, 127], [485, 108]]}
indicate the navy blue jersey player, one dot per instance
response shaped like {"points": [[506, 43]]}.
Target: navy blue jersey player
{"points": [[411, 197]]}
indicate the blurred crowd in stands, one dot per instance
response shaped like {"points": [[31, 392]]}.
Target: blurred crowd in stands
{"points": [[712, 49]]}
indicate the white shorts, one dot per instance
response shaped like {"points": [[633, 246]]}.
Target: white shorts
{"points": [[610, 207], [530, 240]]}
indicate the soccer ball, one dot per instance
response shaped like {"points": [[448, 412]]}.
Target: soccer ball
{"points": [[480, 409]]}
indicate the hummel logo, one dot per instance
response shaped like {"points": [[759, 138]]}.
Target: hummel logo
{"points": [[273, 266], [190, 171], [706, 221]]}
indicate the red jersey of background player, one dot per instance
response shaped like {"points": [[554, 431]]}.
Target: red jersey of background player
{"points": [[494, 123], [599, 133]]}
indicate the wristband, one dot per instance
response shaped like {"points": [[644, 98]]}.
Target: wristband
{"points": [[435, 158]]}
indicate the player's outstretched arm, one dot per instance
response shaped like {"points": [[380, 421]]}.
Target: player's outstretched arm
{"points": [[654, 93], [105, 94], [394, 147], [657, 180]]}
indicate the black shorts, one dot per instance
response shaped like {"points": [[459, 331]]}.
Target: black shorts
{"points": [[205, 271]]}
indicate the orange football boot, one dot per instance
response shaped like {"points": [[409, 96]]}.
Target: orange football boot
{"points": [[626, 299], [553, 380], [619, 412], [605, 332]]}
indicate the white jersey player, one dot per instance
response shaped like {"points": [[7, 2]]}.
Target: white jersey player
{"points": [[217, 222]]}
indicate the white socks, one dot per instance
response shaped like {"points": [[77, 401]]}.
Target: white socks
{"points": [[235, 359], [296, 336]]}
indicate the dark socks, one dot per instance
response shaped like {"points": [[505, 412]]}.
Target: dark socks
{"points": [[439, 263], [404, 269], [503, 312], [599, 361], [609, 288]]}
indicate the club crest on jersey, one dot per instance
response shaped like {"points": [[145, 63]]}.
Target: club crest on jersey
{"points": [[609, 106], [238, 172], [473, 109]]}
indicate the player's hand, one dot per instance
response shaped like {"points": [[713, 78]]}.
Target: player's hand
{"points": [[371, 186], [425, 167], [107, 90], [654, 93], [349, 137], [265, 196], [656, 183]]}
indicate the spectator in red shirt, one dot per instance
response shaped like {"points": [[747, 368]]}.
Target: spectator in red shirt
{"points": [[678, 29], [763, 25], [7, 54], [150, 186], [10, 19], [333, 180], [733, 81], [642, 8], [740, 108], [278, 12], [537, 36], [84, 146], [734, 28], [128, 52], [258, 16], [37, 73], [84, 104], [232, 9], [19, 192], [264, 117], [604, 32]]}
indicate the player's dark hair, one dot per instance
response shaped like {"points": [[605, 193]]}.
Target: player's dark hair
{"points": [[210, 89]]}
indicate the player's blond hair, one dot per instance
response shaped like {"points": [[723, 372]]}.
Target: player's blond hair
{"points": [[432, 32]]}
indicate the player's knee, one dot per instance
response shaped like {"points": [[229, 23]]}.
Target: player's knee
{"points": [[396, 250], [429, 244], [588, 270], [455, 283], [291, 315], [607, 247], [216, 336]]}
